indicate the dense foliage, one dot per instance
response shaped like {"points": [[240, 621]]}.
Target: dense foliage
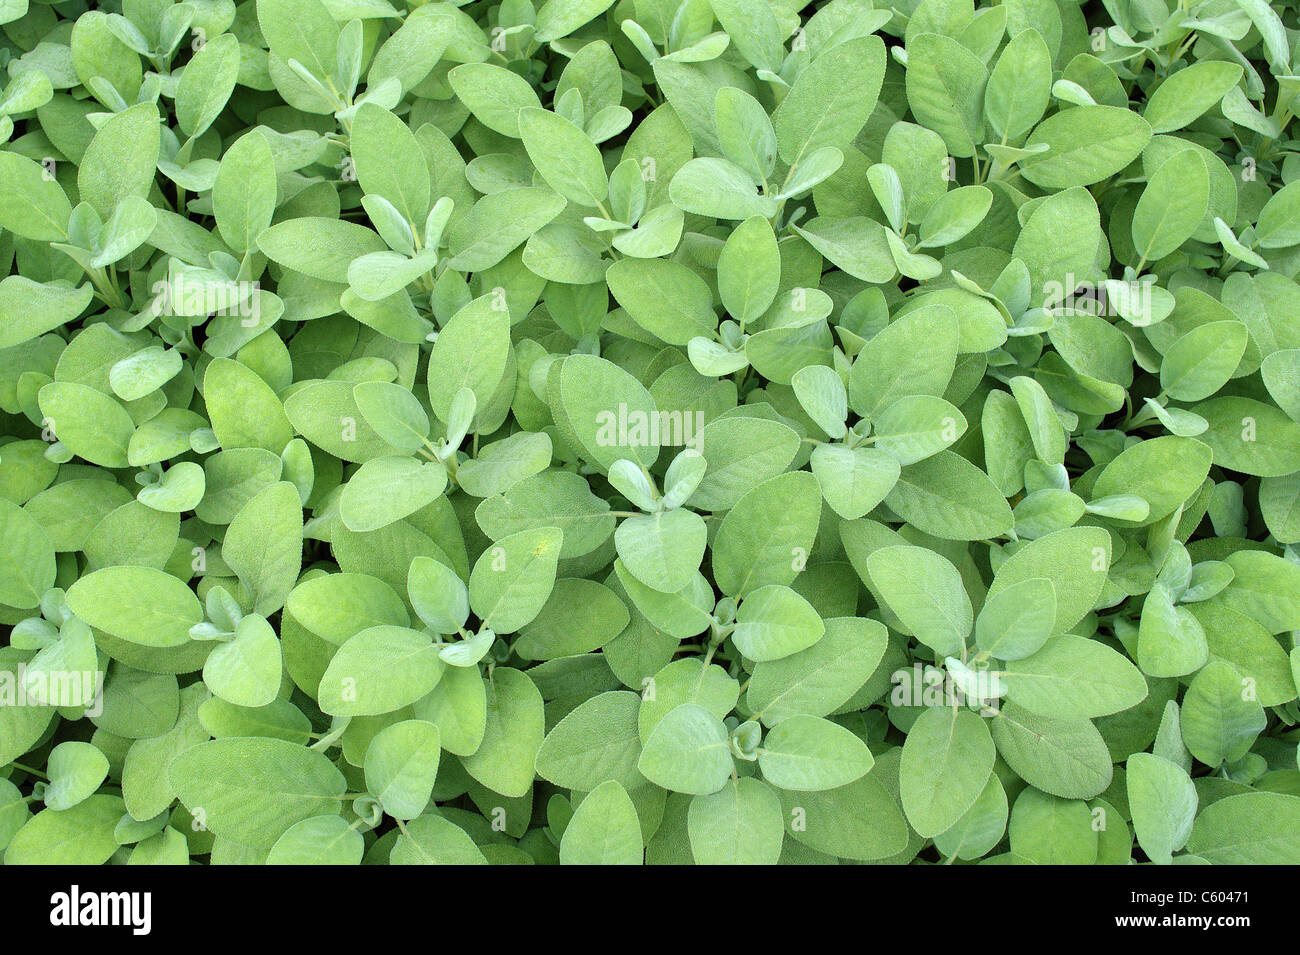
{"points": [[728, 431]]}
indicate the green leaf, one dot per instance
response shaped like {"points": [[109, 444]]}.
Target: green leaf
{"points": [[394, 413], [82, 835], [1200, 362], [32, 204], [439, 597], [206, 84], [745, 132], [472, 351], [76, 770], [318, 247], [1220, 717], [379, 670], [749, 270], [1074, 677], [512, 579], [30, 309], [139, 604], [296, 29], [1019, 87], [401, 765], [27, 562], [512, 736], [1163, 471], [831, 99], [389, 163], [1171, 641], [954, 215], [818, 680], [93, 425], [914, 355], [686, 613], [13, 811], [754, 32], [1254, 828], [320, 840], [1276, 226], [1085, 145], [384, 490], [1016, 621], [458, 707], [1059, 240], [1269, 25], [145, 784], [1046, 830], [244, 410], [945, 89], [804, 753], [1163, 802], [1172, 205], [719, 188], [597, 742], [856, 244], [433, 840], [1263, 588], [980, 828], [665, 298], [498, 224], [559, 18], [1250, 436], [1076, 561], [251, 791], [687, 752], [925, 591], [859, 821], [822, 395], [774, 622], [121, 160], [663, 550], [947, 760], [564, 156], [494, 95], [686, 681], [739, 825], [550, 499], [1187, 93], [144, 372], [579, 616], [604, 830], [854, 480], [916, 427], [246, 671], [335, 607], [762, 537], [1234, 247], [263, 545], [1066, 758]]}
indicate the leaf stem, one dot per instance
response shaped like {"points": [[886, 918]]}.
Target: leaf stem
{"points": [[29, 770]]}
